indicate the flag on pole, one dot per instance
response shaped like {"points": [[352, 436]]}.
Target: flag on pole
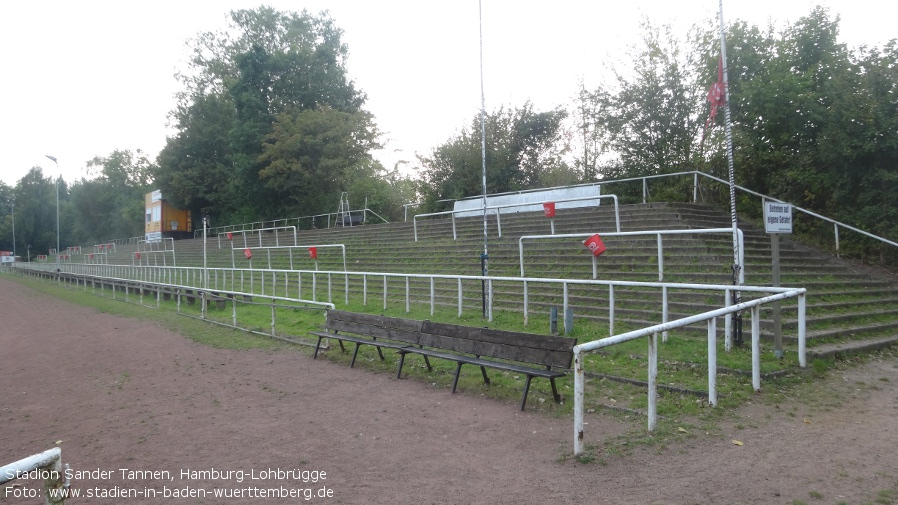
{"points": [[716, 95]]}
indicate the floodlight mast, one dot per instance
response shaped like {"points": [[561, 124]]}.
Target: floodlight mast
{"points": [[484, 258], [737, 317], [58, 175]]}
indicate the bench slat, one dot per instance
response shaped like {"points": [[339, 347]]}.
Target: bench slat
{"points": [[551, 342]]}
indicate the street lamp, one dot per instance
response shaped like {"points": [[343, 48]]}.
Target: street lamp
{"points": [[57, 203]]}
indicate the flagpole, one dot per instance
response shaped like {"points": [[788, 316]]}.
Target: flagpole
{"points": [[738, 274]]}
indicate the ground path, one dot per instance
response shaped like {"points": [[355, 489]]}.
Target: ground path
{"points": [[121, 393]]}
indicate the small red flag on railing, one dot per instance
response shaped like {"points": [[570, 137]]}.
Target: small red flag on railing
{"points": [[549, 209], [248, 253], [313, 253], [595, 244], [230, 236], [137, 255]]}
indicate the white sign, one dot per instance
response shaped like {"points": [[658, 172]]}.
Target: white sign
{"points": [[778, 217], [155, 196]]}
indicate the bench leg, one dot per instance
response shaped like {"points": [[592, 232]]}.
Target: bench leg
{"points": [[457, 373], [341, 345], [317, 346], [401, 362], [526, 390], [555, 390], [380, 353], [486, 379], [354, 354], [427, 362]]}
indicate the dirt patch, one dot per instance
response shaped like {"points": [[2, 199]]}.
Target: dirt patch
{"points": [[124, 394]]}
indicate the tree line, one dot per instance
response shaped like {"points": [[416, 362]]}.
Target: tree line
{"points": [[269, 124]]}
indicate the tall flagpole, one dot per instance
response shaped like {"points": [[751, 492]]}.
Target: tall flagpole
{"points": [[738, 275], [484, 258]]}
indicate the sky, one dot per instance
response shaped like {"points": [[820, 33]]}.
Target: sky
{"points": [[82, 79]]}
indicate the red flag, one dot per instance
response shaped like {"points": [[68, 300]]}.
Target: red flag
{"points": [[313, 253], [716, 94], [549, 209]]}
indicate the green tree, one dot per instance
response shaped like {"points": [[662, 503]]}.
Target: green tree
{"points": [[240, 82], [111, 204], [650, 113], [311, 154], [524, 150]]}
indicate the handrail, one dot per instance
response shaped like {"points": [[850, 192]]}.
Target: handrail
{"points": [[289, 249], [562, 200], [192, 277], [497, 213], [50, 467], [652, 333], [260, 230], [836, 224], [658, 233]]}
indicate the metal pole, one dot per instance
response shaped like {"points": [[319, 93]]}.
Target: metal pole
{"points": [[205, 272], [12, 208], [484, 258], [58, 175], [737, 317]]}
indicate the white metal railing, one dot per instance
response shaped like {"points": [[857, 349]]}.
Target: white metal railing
{"points": [[276, 282], [46, 466], [695, 174], [497, 209], [289, 249], [652, 334], [275, 229], [657, 233], [312, 219]]}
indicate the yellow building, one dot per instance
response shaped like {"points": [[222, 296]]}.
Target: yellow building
{"points": [[163, 220]]}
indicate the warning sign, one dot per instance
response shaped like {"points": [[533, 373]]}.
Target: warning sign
{"points": [[778, 217]]}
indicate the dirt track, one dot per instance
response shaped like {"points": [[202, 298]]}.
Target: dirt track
{"points": [[121, 393]]}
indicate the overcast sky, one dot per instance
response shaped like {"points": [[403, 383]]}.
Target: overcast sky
{"points": [[84, 78]]}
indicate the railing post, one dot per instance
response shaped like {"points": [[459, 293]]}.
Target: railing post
{"points": [[695, 187], [802, 336], [665, 311], [579, 381], [460, 298], [836, 226], [712, 362], [610, 309], [653, 381], [756, 347]]}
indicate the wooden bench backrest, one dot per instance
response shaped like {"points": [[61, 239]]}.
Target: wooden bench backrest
{"points": [[391, 328], [546, 350]]}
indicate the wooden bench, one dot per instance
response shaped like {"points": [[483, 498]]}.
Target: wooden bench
{"points": [[366, 329], [487, 348]]}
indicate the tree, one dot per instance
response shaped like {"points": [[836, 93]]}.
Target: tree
{"points": [[524, 149], [241, 82], [311, 154], [111, 205], [650, 113]]}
